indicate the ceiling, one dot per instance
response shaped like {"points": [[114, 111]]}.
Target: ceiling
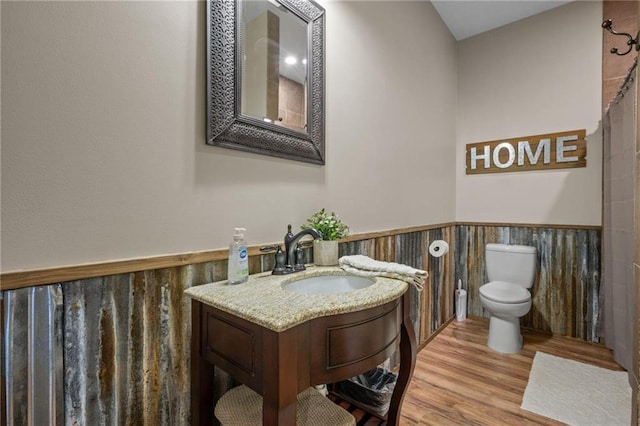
{"points": [[466, 18]]}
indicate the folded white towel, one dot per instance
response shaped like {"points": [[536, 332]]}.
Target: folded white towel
{"points": [[365, 266], [418, 283]]}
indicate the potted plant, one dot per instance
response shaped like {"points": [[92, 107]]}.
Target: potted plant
{"points": [[325, 251]]}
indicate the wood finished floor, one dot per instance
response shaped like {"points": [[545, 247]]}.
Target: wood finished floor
{"points": [[458, 380]]}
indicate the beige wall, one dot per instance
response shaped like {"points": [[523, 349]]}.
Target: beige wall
{"points": [[538, 75], [103, 130]]}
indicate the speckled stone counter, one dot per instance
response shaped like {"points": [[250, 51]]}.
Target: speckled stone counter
{"points": [[263, 300]]}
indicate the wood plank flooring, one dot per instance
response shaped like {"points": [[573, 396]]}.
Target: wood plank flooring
{"points": [[458, 380]]}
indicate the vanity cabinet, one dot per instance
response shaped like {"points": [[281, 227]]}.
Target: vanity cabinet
{"points": [[280, 364]]}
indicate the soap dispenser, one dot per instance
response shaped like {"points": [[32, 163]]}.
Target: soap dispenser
{"points": [[238, 271]]}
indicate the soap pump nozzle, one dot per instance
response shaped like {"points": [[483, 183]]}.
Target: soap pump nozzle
{"points": [[239, 234]]}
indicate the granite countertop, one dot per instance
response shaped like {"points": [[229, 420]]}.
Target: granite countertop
{"points": [[262, 300]]}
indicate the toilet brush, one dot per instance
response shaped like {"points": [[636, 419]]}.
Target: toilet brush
{"points": [[461, 302]]}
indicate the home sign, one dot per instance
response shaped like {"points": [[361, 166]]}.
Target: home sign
{"points": [[549, 151]]}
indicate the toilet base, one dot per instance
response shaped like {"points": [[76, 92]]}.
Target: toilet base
{"points": [[504, 335]]}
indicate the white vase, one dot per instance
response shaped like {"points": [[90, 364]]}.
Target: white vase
{"points": [[325, 253]]}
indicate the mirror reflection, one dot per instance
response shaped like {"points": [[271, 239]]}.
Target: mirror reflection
{"points": [[274, 71]]}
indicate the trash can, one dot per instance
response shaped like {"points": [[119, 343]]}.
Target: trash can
{"points": [[371, 390]]}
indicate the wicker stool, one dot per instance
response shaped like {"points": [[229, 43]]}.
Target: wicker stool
{"points": [[242, 406]]}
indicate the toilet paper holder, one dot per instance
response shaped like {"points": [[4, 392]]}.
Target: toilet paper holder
{"points": [[438, 248]]}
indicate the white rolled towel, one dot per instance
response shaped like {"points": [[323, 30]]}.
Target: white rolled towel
{"points": [[366, 266]]}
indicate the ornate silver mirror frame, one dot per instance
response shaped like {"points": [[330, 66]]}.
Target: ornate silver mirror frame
{"points": [[226, 127]]}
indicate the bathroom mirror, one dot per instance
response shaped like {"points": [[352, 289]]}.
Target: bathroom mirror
{"points": [[265, 77]]}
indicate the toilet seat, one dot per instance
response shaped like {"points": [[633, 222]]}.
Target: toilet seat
{"points": [[503, 292]]}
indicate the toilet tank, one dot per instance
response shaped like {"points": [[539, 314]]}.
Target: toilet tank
{"points": [[511, 263]]}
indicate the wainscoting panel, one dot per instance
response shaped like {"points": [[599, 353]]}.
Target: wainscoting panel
{"points": [[126, 337], [567, 281], [32, 366], [124, 349]]}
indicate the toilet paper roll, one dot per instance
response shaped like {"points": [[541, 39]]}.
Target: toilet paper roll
{"points": [[438, 248]]}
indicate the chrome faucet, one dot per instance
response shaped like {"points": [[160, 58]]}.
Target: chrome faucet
{"points": [[294, 261]]}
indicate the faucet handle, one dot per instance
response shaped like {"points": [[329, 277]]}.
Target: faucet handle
{"points": [[299, 266], [279, 268]]}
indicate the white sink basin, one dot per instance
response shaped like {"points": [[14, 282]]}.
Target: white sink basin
{"points": [[329, 284]]}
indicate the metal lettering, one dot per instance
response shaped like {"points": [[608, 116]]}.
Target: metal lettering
{"points": [[485, 157], [561, 149], [525, 147], [496, 155]]}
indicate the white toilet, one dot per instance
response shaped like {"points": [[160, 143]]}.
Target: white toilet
{"points": [[510, 269]]}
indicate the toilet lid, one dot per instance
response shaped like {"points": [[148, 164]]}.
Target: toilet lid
{"points": [[503, 292]]}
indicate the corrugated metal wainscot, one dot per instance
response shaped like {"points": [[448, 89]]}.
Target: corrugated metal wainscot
{"points": [[566, 286], [115, 350]]}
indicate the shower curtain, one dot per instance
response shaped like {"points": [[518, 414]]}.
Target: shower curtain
{"points": [[615, 325]]}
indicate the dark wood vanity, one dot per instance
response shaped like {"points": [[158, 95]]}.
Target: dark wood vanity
{"points": [[279, 365]]}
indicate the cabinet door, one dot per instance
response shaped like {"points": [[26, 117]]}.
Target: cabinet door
{"points": [[232, 344], [345, 345]]}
